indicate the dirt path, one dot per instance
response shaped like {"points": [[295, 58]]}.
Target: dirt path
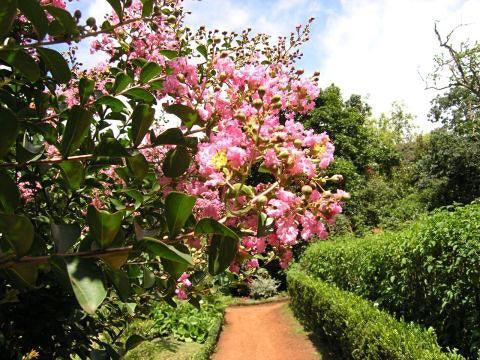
{"points": [[266, 331]]}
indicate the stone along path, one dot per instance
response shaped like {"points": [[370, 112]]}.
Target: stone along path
{"points": [[266, 331]]}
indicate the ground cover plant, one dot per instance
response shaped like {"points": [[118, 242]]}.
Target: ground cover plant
{"points": [[128, 182]]}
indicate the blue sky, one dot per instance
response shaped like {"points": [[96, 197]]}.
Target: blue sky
{"points": [[375, 48]]}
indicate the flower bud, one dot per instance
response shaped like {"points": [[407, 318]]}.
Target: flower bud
{"points": [[276, 98], [336, 178], [300, 71], [217, 39], [306, 189], [284, 154], [257, 104], [77, 14], [346, 195], [261, 91], [240, 115], [316, 73], [181, 77], [261, 200], [171, 19], [223, 76], [298, 143], [91, 21], [327, 193]]}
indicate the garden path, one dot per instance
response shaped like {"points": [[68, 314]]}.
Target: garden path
{"points": [[266, 331]]}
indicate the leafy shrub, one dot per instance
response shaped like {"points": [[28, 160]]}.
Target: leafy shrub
{"points": [[263, 286], [186, 322], [355, 327], [429, 273]]}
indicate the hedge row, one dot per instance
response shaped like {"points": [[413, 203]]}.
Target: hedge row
{"points": [[355, 327], [429, 273]]}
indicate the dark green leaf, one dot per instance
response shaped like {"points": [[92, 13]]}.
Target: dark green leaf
{"points": [[35, 14], [138, 166], [109, 146], [188, 115], [149, 71], [147, 8], [57, 65], [133, 340], [122, 81], [221, 253], [23, 62], [10, 127], [73, 172], [64, 18], [158, 248], [212, 226], [176, 162], [121, 282], [140, 94], [18, 232], [148, 278], [64, 236], [9, 194], [178, 208], [85, 89], [117, 6], [86, 279], [169, 54], [25, 274], [8, 11], [202, 49], [76, 130], [142, 119], [104, 226], [113, 103], [173, 136], [173, 268]]}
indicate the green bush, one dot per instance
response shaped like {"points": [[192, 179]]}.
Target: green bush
{"points": [[428, 273], [186, 322], [355, 327], [263, 286]]}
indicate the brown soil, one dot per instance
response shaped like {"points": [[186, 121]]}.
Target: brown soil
{"points": [[266, 331]]}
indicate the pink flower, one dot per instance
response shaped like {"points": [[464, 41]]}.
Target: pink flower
{"points": [[252, 264]]}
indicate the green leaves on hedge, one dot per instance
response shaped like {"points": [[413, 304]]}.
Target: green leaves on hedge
{"points": [[176, 162], [8, 10], [138, 166], [149, 71], [18, 232], [223, 247], [23, 62], [188, 115], [9, 194], [178, 208], [85, 89], [142, 119], [104, 226], [64, 236], [10, 127], [57, 65], [159, 248], [35, 14], [122, 81], [73, 172], [76, 130], [87, 283]]}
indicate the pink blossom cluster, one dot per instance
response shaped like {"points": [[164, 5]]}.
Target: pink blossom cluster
{"points": [[183, 283]]}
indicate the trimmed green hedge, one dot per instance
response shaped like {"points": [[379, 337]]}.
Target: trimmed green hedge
{"points": [[429, 273], [355, 327]]}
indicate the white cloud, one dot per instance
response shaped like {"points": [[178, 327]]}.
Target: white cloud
{"points": [[380, 47]]}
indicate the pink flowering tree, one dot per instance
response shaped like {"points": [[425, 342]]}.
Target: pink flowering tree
{"points": [[135, 178]]}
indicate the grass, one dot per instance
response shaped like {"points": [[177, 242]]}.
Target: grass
{"points": [[164, 349]]}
